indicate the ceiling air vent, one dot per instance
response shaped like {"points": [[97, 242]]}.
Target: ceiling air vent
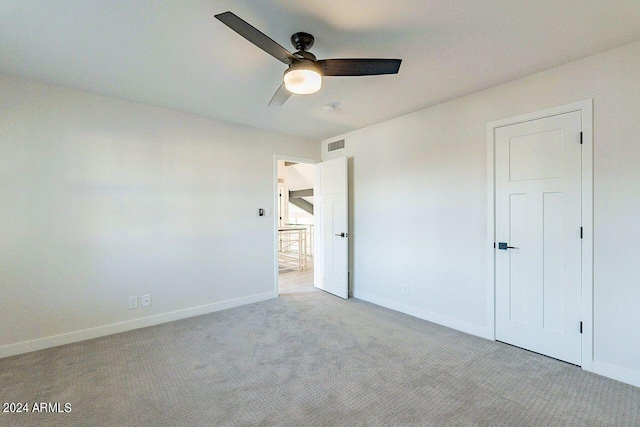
{"points": [[336, 145]]}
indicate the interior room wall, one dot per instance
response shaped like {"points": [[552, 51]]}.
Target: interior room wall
{"points": [[300, 176], [103, 199], [419, 202]]}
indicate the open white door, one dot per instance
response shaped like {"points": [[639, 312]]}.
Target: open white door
{"points": [[331, 226]]}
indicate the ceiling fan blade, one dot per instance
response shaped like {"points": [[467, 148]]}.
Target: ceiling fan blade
{"points": [[256, 37], [280, 97], [359, 66]]}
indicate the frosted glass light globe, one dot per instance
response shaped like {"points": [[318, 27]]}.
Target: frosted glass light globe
{"points": [[302, 81]]}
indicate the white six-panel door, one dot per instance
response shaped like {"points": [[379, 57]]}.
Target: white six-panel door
{"points": [[538, 217], [331, 226]]}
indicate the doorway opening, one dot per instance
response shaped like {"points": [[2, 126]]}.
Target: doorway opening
{"points": [[294, 225]]}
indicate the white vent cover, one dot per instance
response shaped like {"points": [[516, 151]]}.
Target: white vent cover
{"points": [[336, 145]]}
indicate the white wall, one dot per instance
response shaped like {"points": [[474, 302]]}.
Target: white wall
{"points": [[419, 202], [297, 177], [300, 176], [101, 199]]}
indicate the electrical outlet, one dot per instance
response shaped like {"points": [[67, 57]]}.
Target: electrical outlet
{"points": [[133, 302], [145, 300], [405, 289]]}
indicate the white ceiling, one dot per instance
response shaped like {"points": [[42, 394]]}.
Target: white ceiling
{"points": [[174, 54]]}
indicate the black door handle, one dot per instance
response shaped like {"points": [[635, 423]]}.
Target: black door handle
{"points": [[343, 235], [503, 246]]}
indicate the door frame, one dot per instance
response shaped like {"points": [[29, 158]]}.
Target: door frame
{"points": [[586, 109], [274, 209]]}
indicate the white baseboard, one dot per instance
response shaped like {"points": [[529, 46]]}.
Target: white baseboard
{"points": [[469, 328], [114, 328], [616, 372]]}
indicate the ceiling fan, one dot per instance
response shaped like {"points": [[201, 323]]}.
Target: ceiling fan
{"points": [[305, 72]]}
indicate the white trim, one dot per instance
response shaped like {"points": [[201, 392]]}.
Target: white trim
{"points": [[587, 238], [450, 322], [491, 239], [617, 373], [274, 209], [586, 109], [115, 328]]}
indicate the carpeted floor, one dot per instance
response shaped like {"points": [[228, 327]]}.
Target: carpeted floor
{"points": [[308, 358]]}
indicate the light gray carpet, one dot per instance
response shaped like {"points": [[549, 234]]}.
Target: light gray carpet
{"points": [[310, 359]]}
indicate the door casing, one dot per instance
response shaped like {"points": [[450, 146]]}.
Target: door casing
{"points": [[586, 109]]}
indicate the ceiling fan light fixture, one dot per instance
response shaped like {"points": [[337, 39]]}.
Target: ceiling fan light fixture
{"points": [[302, 80], [305, 73]]}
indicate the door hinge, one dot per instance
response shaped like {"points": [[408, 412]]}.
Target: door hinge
{"points": [[581, 233], [580, 137], [494, 245], [580, 327]]}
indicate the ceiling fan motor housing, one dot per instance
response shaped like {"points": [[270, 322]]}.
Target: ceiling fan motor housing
{"points": [[305, 64]]}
